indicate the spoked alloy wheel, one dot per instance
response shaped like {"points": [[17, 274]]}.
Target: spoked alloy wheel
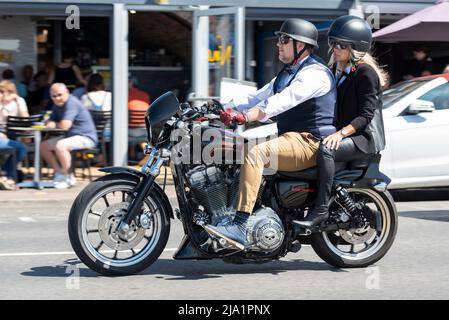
{"points": [[369, 240], [94, 218]]}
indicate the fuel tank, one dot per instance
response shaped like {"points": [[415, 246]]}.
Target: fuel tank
{"points": [[217, 144]]}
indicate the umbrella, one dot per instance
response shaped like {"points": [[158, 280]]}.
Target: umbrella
{"points": [[429, 24]]}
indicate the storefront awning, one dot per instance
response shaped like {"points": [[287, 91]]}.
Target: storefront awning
{"points": [[429, 24]]}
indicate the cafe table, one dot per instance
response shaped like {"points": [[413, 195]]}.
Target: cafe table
{"points": [[37, 132]]}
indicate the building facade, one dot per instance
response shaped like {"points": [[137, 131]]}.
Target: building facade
{"points": [[184, 45]]}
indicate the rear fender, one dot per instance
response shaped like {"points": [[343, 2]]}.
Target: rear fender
{"points": [[347, 177], [371, 177]]}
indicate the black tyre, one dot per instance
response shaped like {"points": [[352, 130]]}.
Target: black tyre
{"points": [[358, 248], [94, 216]]}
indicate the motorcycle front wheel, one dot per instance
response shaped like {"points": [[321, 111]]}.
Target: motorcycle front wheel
{"points": [[362, 246], [93, 220]]}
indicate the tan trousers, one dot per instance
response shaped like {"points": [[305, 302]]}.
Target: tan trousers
{"points": [[295, 151]]}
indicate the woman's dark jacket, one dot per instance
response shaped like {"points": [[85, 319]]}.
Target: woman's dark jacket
{"points": [[359, 102]]}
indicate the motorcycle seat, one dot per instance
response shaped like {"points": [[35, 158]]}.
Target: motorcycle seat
{"points": [[312, 173]]}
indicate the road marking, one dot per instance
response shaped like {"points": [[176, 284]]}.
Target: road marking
{"points": [[25, 254], [27, 219], [61, 253]]}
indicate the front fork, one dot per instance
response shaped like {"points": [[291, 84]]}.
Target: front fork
{"points": [[150, 170]]}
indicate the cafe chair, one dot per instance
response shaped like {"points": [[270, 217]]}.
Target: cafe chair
{"points": [[102, 121], [83, 156], [22, 136], [136, 120]]}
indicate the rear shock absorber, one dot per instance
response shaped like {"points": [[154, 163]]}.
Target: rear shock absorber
{"points": [[345, 200]]}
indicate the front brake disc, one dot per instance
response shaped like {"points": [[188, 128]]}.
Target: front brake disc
{"points": [[107, 227]]}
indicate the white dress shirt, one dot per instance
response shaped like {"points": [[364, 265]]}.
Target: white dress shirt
{"points": [[311, 81], [342, 76]]}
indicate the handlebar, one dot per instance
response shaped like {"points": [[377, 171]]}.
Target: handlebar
{"points": [[210, 110], [189, 112]]}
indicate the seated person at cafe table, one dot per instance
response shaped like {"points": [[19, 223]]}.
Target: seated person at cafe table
{"points": [[68, 114], [11, 105]]}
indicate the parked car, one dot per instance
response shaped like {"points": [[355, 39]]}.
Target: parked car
{"points": [[416, 118]]}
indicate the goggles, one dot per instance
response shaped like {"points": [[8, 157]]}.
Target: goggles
{"points": [[334, 44]]}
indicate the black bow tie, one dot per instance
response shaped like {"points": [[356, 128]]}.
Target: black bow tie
{"points": [[290, 70]]}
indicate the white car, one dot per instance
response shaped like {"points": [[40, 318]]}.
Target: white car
{"points": [[416, 119]]}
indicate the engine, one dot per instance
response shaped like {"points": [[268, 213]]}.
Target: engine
{"points": [[216, 191], [265, 230]]}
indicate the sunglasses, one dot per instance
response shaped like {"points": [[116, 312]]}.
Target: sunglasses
{"points": [[338, 45], [283, 39]]}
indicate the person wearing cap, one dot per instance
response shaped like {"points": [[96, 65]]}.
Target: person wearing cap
{"points": [[359, 107], [303, 98]]}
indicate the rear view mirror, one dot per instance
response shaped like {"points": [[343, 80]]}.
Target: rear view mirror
{"points": [[419, 106]]}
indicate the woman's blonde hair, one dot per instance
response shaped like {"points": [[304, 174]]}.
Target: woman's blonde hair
{"points": [[358, 57], [9, 86]]}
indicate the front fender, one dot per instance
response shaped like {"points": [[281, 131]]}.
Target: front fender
{"points": [[115, 170], [137, 174]]}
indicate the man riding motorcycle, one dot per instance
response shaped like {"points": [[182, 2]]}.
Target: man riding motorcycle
{"points": [[303, 97]]}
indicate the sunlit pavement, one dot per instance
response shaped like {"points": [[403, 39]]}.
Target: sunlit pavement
{"points": [[37, 262]]}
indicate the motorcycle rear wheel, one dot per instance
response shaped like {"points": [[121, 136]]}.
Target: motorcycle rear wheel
{"points": [[375, 242]]}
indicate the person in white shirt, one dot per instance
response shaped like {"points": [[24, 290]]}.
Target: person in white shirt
{"points": [[11, 105], [96, 97], [303, 97]]}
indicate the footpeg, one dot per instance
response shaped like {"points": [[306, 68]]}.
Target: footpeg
{"points": [[300, 230], [295, 246]]}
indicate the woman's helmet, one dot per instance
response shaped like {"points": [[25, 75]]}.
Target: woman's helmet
{"points": [[353, 30], [300, 30]]}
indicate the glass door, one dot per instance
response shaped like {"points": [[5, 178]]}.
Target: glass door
{"points": [[218, 50]]}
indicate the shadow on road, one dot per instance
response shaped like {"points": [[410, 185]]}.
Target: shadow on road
{"points": [[61, 271], [170, 269], [435, 215]]}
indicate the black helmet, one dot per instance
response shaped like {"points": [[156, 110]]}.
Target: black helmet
{"points": [[300, 30], [353, 30]]}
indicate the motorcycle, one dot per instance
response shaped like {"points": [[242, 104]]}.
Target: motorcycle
{"points": [[120, 223]]}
